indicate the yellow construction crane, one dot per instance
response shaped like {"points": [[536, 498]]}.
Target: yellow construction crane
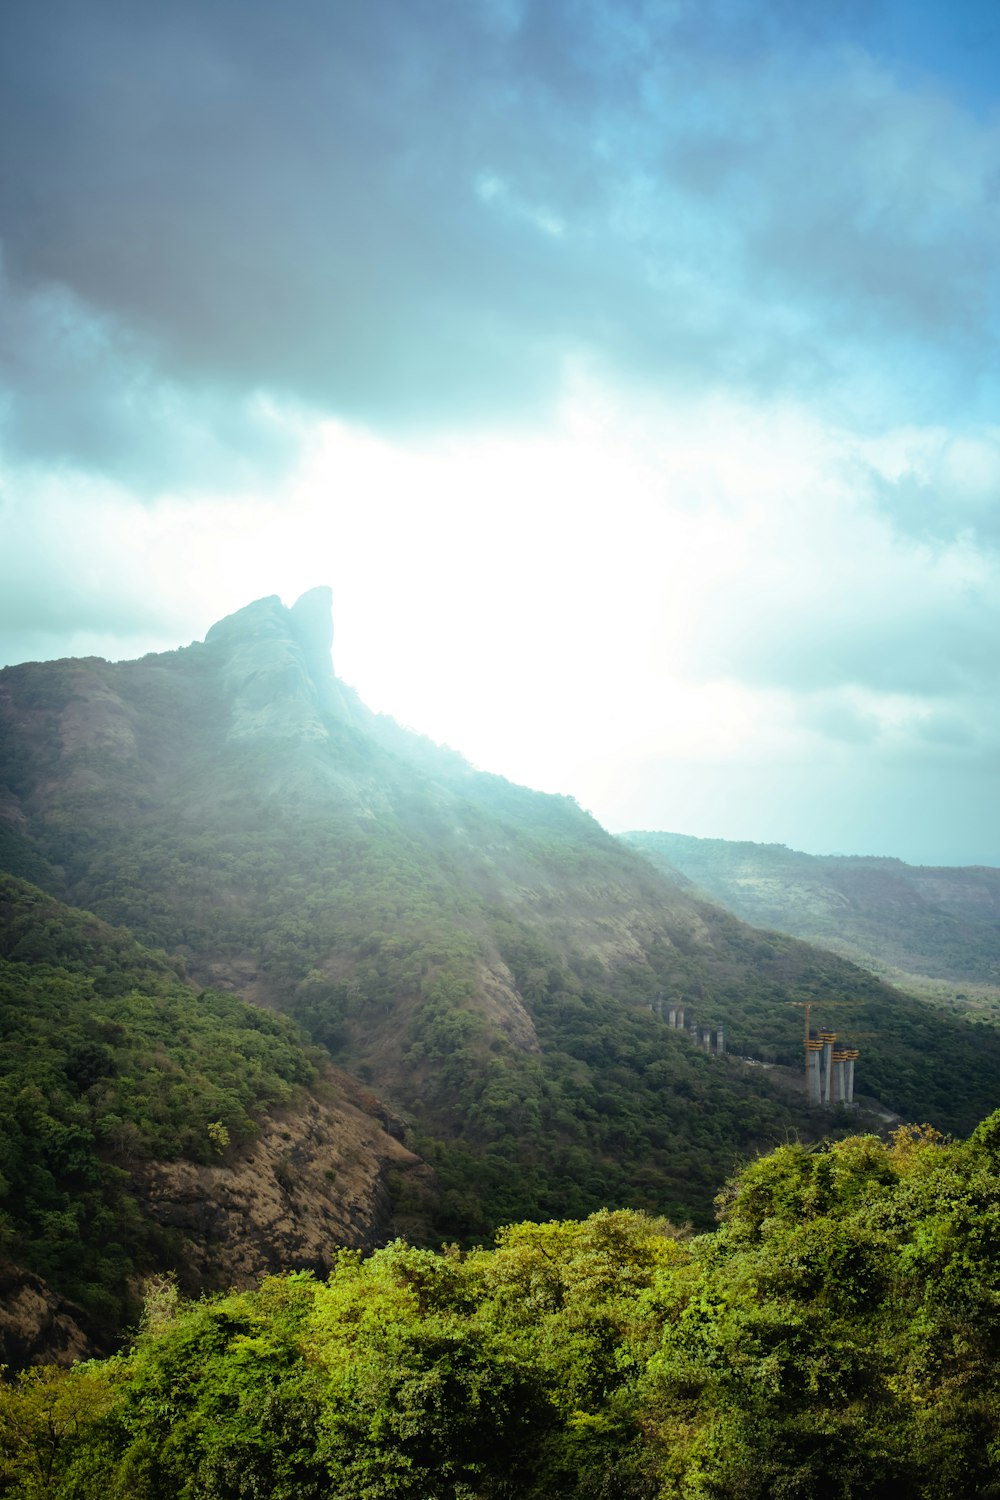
{"points": [[807, 1006]]}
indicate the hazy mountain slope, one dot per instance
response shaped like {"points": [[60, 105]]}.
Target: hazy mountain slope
{"points": [[940, 924], [140, 1122], [484, 955]]}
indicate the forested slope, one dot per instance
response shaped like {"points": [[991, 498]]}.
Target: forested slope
{"points": [[933, 923], [115, 1077], [483, 955], [838, 1336]]}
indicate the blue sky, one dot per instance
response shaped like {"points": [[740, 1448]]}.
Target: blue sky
{"points": [[628, 369]]}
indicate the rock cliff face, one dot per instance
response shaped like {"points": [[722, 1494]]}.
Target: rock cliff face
{"points": [[146, 1126], [315, 1179], [37, 1326], [276, 669]]}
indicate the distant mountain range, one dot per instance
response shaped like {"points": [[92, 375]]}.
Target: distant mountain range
{"points": [[936, 929], [472, 972]]}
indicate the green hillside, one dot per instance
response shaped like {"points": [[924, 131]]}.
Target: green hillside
{"points": [[837, 1336], [108, 1059], [483, 956], [939, 927]]}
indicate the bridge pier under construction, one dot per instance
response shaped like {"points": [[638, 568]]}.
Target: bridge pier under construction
{"points": [[829, 1070], [709, 1038]]}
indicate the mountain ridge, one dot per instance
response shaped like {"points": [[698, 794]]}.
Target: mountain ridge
{"points": [[483, 957], [928, 926]]}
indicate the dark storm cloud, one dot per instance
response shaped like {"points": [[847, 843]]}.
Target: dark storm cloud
{"points": [[77, 388], [413, 212], [278, 195]]}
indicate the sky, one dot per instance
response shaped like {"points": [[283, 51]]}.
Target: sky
{"points": [[628, 368]]}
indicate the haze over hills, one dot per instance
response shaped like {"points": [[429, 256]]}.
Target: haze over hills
{"points": [[481, 956], [936, 928]]}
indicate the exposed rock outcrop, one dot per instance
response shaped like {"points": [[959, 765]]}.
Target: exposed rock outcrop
{"points": [[278, 671], [315, 1179], [37, 1326]]}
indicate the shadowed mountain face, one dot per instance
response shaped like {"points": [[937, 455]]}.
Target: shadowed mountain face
{"points": [[146, 1126], [481, 955], [904, 921]]}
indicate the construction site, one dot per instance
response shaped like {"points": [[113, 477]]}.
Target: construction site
{"points": [[708, 1038], [829, 1069]]}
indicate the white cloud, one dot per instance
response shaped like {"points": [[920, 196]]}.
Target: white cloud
{"points": [[644, 591], [629, 371]]}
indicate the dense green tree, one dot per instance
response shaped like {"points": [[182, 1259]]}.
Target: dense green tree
{"points": [[837, 1337], [107, 1058]]}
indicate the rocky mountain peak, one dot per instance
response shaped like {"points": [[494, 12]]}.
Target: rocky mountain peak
{"points": [[278, 668], [253, 622], [312, 620]]}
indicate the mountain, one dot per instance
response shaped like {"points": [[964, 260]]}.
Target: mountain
{"points": [[933, 929], [486, 959]]}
